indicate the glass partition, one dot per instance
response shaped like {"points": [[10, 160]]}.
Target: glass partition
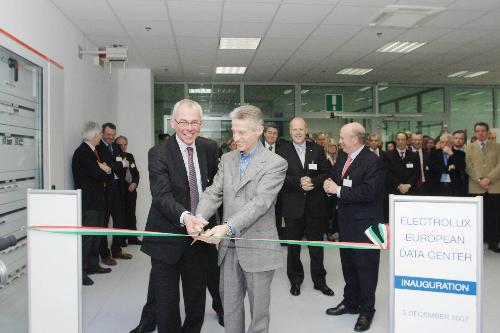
{"points": [[166, 95], [470, 105], [216, 100], [355, 98]]}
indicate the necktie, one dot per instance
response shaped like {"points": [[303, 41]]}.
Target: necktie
{"points": [[346, 165], [483, 145], [402, 155], [97, 155], [302, 155], [193, 183], [110, 149], [421, 155], [271, 148]]}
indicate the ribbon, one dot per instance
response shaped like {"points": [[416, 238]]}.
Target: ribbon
{"points": [[377, 243]]}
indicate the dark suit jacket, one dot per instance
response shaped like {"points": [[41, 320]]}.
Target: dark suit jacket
{"points": [[359, 206], [110, 159], [170, 195], [88, 177], [133, 168], [438, 167], [398, 172], [296, 202]]}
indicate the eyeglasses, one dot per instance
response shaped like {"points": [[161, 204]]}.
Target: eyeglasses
{"points": [[185, 123]]}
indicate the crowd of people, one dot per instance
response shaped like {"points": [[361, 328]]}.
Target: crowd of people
{"points": [[268, 188]]}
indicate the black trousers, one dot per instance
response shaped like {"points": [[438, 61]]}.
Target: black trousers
{"points": [[115, 208], [90, 244], [192, 270], [129, 215], [360, 270], [279, 217], [491, 219], [148, 316], [313, 229]]}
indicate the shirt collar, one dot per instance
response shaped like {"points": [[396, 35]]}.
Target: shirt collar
{"points": [[90, 145], [401, 151], [356, 153], [105, 143], [301, 146], [183, 146], [244, 155]]}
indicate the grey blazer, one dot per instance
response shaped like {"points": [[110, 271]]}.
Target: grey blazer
{"points": [[249, 204]]}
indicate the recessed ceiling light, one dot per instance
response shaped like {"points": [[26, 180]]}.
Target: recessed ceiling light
{"points": [[239, 43], [230, 70], [355, 71], [200, 91], [400, 47], [468, 74]]}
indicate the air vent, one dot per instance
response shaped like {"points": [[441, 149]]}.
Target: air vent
{"points": [[404, 16]]}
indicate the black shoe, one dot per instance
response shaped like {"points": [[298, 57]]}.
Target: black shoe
{"points": [[363, 323], [144, 328], [295, 289], [86, 281], [325, 290], [134, 241], [340, 310], [98, 270], [220, 318]]}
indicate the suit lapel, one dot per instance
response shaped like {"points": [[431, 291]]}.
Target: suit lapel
{"points": [[356, 163], [309, 156], [252, 168], [175, 152], [235, 169], [202, 164], [295, 156]]}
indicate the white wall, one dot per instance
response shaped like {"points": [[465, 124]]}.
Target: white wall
{"points": [[133, 105], [87, 89]]}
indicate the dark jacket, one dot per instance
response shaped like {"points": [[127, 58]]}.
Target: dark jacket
{"points": [[134, 172], [88, 177], [457, 175], [360, 205], [402, 171], [296, 202], [170, 195]]}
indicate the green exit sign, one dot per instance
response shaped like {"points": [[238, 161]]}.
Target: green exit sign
{"points": [[334, 103]]}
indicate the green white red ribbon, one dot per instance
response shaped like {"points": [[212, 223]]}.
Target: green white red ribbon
{"points": [[376, 242]]}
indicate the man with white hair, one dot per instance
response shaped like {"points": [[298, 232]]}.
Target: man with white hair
{"points": [[357, 179], [179, 170], [247, 183], [90, 175]]}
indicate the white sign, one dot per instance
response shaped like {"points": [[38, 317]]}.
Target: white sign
{"points": [[436, 264]]}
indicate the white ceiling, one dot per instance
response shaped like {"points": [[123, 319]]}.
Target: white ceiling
{"points": [[302, 40]]}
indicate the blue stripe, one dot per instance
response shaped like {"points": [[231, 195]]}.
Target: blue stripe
{"points": [[435, 285]]}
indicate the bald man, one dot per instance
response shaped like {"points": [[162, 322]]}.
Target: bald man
{"points": [[303, 203], [357, 179]]}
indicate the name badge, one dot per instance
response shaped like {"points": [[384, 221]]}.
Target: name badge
{"points": [[313, 166], [409, 166], [347, 182], [132, 165], [118, 159]]}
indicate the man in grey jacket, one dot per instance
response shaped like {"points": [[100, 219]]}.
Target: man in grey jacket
{"points": [[247, 184]]}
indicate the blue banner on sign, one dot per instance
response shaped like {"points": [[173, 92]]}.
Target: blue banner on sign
{"points": [[435, 285]]}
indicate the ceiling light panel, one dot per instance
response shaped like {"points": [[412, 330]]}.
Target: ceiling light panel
{"points": [[468, 74], [200, 90], [239, 43], [355, 71], [400, 47], [230, 70]]}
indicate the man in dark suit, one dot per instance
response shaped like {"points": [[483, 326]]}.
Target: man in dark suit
{"points": [[422, 186], [271, 142], [375, 144], [358, 181], [90, 176], [131, 180], [179, 170], [402, 168], [111, 153], [447, 169], [303, 203]]}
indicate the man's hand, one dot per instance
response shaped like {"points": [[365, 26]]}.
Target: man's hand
{"points": [[485, 183], [194, 225], [330, 186], [404, 188], [448, 150], [132, 187], [306, 184], [104, 167], [218, 231]]}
